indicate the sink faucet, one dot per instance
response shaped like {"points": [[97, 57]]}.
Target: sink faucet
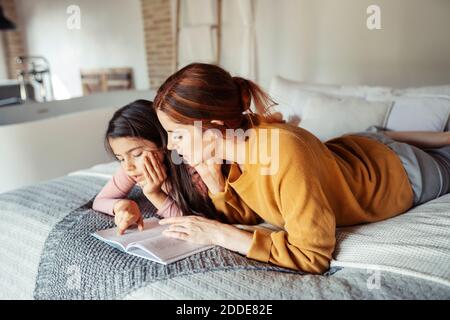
{"points": [[36, 69]]}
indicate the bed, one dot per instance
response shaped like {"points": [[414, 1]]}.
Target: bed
{"points": [[46, 251], [406, 257]]}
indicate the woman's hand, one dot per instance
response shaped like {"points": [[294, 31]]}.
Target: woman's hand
{"points": [[211, 174], [210, 170], [209, 232], [126, 214]]}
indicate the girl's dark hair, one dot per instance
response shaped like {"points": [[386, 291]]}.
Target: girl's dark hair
{"points": [[138, 120]]}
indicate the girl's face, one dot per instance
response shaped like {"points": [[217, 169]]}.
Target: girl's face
{"points": [[189, 141], [131, 153]]}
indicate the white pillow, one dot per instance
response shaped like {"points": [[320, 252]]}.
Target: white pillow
{"points": [[296, 104], [442, 91], [431, 91], [368, 92], [328, 118], [292, 96], [282, 87], [289, 96], [419, 114]]}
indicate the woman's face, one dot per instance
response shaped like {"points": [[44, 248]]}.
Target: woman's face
{"points": [[189, 141], [131, 153]]}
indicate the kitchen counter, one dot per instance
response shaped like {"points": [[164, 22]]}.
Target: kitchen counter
{"points": [[33, 111]]}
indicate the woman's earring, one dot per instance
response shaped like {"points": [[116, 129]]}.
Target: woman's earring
{"points": [[217, 122]]}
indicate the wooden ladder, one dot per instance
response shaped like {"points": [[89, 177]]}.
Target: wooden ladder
{"points": [[217, 26]]}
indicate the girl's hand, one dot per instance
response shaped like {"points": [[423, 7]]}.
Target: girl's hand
{"points": [[126, 214], [209, 232], [154, 175]]}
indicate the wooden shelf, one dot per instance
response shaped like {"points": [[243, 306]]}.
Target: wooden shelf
{"points": [[109, 79]]}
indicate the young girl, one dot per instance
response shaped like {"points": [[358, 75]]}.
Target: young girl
{"points": [[317, 186], [135, 137]]}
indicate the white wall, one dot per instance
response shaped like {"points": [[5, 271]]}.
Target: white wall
{"points": [[111, 35], [322, 41], [60, 147], [327, 41], [41, 141]]}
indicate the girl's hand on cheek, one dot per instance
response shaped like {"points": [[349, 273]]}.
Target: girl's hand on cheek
{"points": [[154, 174]]}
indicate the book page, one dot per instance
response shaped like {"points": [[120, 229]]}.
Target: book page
{"points": [[143, 254], [152, 229], [169, 249], [150, 243]]}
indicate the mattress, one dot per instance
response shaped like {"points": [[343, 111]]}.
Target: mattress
{"points": [[406, 257]]}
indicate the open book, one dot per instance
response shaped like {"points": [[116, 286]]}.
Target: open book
{"points": [[150, 243]]}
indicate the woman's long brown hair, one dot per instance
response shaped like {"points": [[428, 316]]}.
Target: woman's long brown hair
{"points": [[205, 92]]}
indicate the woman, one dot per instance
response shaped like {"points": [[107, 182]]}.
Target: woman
{"points": [[313, 186], [136, 139]]}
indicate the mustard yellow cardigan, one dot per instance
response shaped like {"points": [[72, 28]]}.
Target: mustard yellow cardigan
{"points": [[318, 186]]}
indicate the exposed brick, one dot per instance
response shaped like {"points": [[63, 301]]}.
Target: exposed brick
{"points": [[12, 40], [159, 42]]}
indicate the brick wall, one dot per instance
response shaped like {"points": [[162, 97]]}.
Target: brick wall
{"points": [[159, 40], [12, 39]]}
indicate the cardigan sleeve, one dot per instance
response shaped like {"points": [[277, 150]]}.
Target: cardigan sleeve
{"points": [[234, 209]]}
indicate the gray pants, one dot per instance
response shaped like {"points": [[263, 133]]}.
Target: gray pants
{"points": [[428, 170]]}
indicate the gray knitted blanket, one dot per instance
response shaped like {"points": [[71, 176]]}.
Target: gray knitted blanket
{"points": [[75, 265]]}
